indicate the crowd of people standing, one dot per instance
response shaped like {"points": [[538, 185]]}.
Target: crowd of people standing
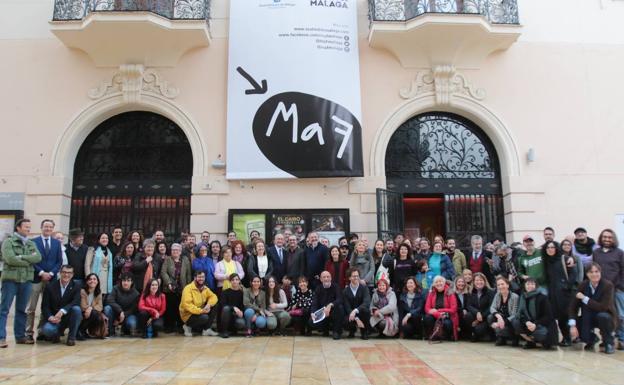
{"points": [[558, 293]]}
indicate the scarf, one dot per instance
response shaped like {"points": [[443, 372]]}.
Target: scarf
{"points": [[382, 299], [230, 268], [149, 272], [97, 265], [527, 307], [586, 248]]}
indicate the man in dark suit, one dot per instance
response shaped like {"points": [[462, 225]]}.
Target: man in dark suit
{"points": [[356, 300], [46, 271], [76, 252], [61, 307], [295, 260], [316, 255], [278, 254], [327, 296]]}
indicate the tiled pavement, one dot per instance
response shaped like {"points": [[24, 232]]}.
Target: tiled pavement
{"points": [[298, 361]]}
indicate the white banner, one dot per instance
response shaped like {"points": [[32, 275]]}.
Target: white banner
{"points": [[293, 90]]}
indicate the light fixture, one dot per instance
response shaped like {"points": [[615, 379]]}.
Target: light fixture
{"points": [[218, 163]]}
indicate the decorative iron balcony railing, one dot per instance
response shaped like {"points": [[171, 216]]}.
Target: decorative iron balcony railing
{"points": [[494, 11], [171, 9]]}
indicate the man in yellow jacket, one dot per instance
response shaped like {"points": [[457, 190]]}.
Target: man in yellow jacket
{"points": [[197, 307]]}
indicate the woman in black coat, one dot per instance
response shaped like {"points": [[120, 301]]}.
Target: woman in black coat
{"points": [[478, 306], [411, 309], [535, 322], [562, 279]]}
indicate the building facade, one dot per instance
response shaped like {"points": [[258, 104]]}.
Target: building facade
{"points": [[486, 116]]}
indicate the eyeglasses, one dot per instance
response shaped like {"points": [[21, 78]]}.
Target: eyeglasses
{"points": [[67, 272]]}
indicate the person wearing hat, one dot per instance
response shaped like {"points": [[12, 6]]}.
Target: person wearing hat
{"points": [[584, 246], [531, 264], [76, 252]]}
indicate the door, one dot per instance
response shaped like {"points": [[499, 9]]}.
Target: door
{"points": [[389, 213]]}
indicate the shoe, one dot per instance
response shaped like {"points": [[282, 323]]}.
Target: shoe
{"points": [[209, 332], [188, 332], [249, 333], [25, 341], [589, 347], [325, 333], [565, 343], [55, 340], [41, 337], [500, 342], [224, 335], [609, 349], [474, 338], [351, 334], [529, 345], [515, 342], [620, 345], [3, 344], [364, 335], [71, 342], [81, 337], [336, 336]]}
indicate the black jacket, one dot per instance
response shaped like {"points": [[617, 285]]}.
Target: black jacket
{"points": [[53, 301], [416, 310], [123, 300], [480, 304], [323, 297], [543, 313], [361, 300], [76, 258], [295, 263], [251, 270], [139, 267]]}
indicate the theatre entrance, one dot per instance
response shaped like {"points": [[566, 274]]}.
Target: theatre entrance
{"points": [[443, 177], [133, 170]]}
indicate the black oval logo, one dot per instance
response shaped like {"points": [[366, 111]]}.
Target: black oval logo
{"points": [[308, 136]]}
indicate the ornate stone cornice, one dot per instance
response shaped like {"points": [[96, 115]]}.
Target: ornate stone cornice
{"points": [[133, 80], [445, 82]]}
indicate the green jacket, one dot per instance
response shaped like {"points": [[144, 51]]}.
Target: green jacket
{"points": [[19, 259], [533, 266]]}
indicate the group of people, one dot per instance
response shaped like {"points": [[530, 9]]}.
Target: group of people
{"points": [[414, 289]]}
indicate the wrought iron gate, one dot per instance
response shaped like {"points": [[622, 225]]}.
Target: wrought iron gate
{"points": [[470, 214], [389, 213]]}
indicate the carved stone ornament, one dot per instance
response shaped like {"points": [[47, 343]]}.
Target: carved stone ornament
{"points": [[445, 82], [133, 80]]}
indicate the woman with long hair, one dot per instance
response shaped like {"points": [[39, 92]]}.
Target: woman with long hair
{"points": [[152, 308], [503, 311], [462, 294], [401, 267], [215, 252], [479, 309], [379, 253], [99, 260], [136, 238], [337, 267], [254, 300], [94, 322], [260, 264], [240, 255], [123, 261], [562, 280], [276, 306], [363, 261], [161, 250], [232, 307], [567, 249], [411, 308]]}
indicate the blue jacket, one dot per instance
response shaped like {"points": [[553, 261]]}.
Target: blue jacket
{"points": [[446, 266], [315, 260], [51, 261], [206, 265]]}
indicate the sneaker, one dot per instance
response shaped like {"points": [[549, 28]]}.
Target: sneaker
{"points": [[188, 332], [609, 349], [249, 333], [25, 341], [3, 344], [529, 345], [71, 342], [209, 332]]}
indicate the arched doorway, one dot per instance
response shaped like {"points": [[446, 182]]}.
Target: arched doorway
{"points": [[133, 170], [443, 177]]}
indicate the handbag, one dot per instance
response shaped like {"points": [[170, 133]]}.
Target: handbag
{"points": [[296, 312], [437, 335]]}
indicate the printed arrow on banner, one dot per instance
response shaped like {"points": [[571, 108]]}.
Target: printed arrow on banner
{"points": [[257, 89]]}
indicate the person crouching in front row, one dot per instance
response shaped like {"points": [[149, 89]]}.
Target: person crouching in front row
{"points": [[61, 307], [357, 301], [197, 307], [122, 306], [535, 322], [152, 308], [441, 307]]}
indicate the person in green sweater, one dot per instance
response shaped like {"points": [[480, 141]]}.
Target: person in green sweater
{"points": [[531, 264], [19, 255]]}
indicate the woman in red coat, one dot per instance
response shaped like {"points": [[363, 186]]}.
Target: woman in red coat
{"points": [[441, 303], [337, 267], [152, 306]]}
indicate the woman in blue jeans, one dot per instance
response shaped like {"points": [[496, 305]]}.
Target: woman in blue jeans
{"points": [[254, 300]]}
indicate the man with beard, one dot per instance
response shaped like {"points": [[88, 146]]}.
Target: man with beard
{"points": [[327, 296], [295, 260], [584, 246], [611, 260], [457, 257], [198, 307]]}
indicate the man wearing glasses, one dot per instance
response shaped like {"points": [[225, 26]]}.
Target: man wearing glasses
{"points": [[61, 307]]}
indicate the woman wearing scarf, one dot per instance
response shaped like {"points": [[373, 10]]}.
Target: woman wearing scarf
{"points": [[363, 262], [503, 311], [146, 265], [479, 308], [203, 262], [123, 261], [506, 267], [384, 313], [562, 279], [225, 268], [439, 263], [240, 255], [535, 322], [567, 249], [99, 261]]}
